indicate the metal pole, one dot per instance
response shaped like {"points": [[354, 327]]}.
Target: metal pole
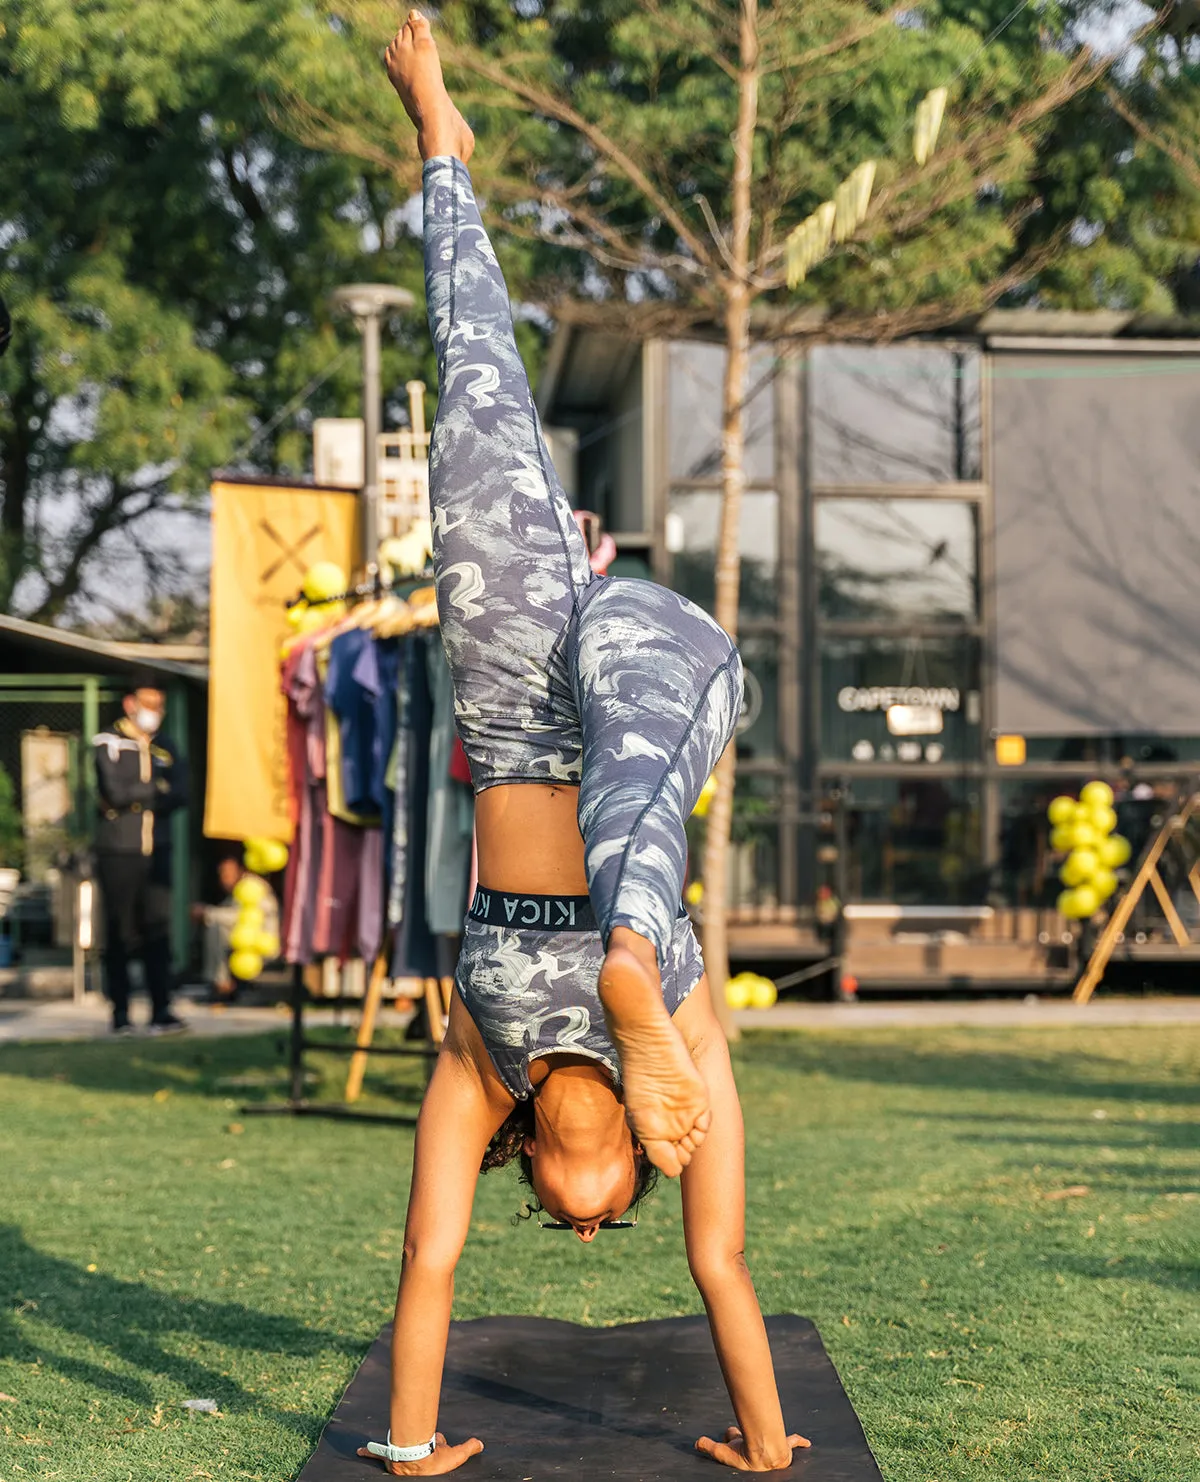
{"points": [[371, 421]]}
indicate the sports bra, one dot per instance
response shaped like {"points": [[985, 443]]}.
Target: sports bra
{"points": [[528, 974]]}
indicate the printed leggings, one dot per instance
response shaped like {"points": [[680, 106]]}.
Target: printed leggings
{"points": [[619, 686]]}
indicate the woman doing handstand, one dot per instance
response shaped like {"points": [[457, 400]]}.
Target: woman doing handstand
{"points": [[592, 711]]}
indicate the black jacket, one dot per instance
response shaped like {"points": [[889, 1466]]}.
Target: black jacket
{"points": [[140, 785]]}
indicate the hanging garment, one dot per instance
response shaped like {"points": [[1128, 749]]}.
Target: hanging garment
{"points": [[451, 820], [345, 743], [306, 751], [413, 949]]}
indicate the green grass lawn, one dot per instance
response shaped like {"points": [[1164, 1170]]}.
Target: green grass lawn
{"points": [[156, 1246]]}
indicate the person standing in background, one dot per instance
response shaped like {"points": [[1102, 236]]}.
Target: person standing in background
{"points": [[140, 782]]}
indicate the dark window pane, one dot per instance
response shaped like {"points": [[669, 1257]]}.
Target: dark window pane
{"points": [[894, 415], [758, 729], [693, 525], [886, 560], [914, 841], [695, 375], [911, 700]]}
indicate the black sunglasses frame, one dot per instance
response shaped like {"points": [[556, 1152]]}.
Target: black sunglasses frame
{"points": [[604, 1225]]}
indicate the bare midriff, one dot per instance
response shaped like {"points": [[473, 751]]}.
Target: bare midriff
{"points": [[529, 840]]}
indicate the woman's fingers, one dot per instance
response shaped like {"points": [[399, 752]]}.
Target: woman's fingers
{"points": [[798, 1442], [726, 1455], [733, 1433]]}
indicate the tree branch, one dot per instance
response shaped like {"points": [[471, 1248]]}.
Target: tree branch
{"points": [[1188, 163]]}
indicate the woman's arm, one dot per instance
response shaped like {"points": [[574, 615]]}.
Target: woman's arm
{"points": [[458, 1118], [714, 1223]]}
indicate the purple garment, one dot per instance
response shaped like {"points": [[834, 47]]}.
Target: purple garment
{"points": [[303, 690]]}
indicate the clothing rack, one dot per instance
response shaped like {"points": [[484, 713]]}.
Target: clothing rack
{"points": [[300, 1043], [372, 588]]}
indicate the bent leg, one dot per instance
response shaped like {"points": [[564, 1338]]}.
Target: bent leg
{"points": [[658, 686], [659, 689], [511, 562]]}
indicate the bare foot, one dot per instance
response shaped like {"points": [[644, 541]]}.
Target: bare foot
{"points": [[666, 1100], [415, 70]]}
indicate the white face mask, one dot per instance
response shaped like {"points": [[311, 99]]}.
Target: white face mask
{"points": [[147, 721]]}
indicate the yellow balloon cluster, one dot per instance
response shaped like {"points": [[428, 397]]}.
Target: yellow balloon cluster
{"points": [[1084, 832], [250, 946], [264, 856], [316, 608], [750, 991]]}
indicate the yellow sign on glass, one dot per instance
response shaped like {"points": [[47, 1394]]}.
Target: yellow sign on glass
{"points": [[1010, 751]]}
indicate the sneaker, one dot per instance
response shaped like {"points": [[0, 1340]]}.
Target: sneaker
{"points": [[123, 1028], [168, 1024]]}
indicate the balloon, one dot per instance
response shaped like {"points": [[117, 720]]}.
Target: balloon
{"points": [[295, 614], [1087, 900], [250, 918], [763, 993], [249, 892], [1097, 795], [1115, 851], [703, 802], [244, 938], [694, 894], [1060, 811], [1066, 904], [1062, 839], [1084, 836], [266, 944], [737, 991], [1104, 883], [265, 856], [1080, 865], [323, 580], [1104, 820], [245, 964]]}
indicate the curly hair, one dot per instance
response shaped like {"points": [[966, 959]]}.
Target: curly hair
{"points": [[508, 1145]]}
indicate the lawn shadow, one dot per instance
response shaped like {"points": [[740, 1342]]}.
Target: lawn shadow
{"points": [[1179, 1276], [250, 1068], [1072, 1073], [134, 1322]]}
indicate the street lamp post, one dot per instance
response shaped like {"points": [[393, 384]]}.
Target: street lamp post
{"points": [[368, 303]]}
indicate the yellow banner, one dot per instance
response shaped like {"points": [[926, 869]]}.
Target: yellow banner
{"points": [[265, 537]]}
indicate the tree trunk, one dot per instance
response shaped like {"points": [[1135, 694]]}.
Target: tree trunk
{"points": [[738, 296], [15, 485]]}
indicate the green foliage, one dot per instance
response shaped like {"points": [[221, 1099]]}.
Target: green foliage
{"points": [[605, 135], [168, 257], [12, 826]]}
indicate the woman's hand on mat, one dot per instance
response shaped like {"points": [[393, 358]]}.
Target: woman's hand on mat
{"points": [[733, 1452], [445, 1459]]}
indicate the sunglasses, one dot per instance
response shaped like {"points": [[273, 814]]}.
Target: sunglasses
{"points": [[604, 1225]]}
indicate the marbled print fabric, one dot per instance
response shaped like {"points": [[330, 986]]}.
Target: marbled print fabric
{"points": [[533, 993], [620, 687]]}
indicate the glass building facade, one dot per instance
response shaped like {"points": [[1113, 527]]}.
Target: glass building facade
{"points": [[954, 554]]}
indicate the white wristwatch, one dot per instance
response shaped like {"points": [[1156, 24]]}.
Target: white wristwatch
{"points": [[402, 1453]]}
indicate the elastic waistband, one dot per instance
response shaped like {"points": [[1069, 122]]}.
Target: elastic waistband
{"points": [[537, 912]]}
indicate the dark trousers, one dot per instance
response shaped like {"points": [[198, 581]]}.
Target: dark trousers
{"points": [[137, 923]]}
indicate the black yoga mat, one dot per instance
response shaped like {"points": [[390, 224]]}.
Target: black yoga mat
{"points": [[550, 1399]]}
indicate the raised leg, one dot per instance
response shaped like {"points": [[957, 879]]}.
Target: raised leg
{"points": [[510, 560]]}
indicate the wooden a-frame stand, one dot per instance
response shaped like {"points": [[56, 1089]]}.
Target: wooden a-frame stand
{"points": [[1173, 831]]}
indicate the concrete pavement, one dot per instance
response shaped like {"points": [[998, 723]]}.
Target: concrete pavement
{"points": [[31, 1019]]}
